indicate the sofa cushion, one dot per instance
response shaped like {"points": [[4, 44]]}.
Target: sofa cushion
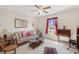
{"points": [[19, 41], [23, 39], [20, 35], [23, 33], [29, 33], [16, 34]]}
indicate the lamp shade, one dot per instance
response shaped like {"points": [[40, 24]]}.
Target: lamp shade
{"points": [[4, 31]]}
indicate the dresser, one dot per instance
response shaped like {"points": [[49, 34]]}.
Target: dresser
{"points": [[78, 38], [64, 32]]}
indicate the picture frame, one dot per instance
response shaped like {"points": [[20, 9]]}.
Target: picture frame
{"points": [[20, 23]]}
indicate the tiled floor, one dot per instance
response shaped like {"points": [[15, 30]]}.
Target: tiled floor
{"points": [[60, 47]]}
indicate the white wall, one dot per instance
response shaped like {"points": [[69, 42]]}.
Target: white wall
{"points": [[68, 18], [7, 20]]}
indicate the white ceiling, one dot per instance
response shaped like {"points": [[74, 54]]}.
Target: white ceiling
{"points": [[25, 9]]}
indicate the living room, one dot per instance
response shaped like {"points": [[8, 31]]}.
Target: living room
{"points": [[33, 18]]}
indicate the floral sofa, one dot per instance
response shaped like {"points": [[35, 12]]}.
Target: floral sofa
{"points": [[22, 37]]}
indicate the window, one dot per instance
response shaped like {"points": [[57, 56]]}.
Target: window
{"points": [[51, 27]]}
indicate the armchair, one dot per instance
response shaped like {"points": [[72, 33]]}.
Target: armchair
{"points": [[5, 48]]}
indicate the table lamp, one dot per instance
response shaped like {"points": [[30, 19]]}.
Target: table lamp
{"points": [[4, 31]]}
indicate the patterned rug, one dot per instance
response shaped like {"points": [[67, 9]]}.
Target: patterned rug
{"points": [[49, 50]]}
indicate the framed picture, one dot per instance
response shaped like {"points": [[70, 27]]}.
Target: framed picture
{"points": [[20, 23]]}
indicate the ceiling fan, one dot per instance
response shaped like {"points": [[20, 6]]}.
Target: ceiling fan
{"points": [[41, 8]]}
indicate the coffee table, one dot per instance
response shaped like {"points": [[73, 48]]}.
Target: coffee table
{"points": [[35, 43]]}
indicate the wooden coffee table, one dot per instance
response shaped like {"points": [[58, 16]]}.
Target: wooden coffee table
{"points": [[36, 43]]}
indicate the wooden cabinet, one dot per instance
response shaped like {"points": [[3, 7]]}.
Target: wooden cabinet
{"points": [[78, 38], [64, 32]]}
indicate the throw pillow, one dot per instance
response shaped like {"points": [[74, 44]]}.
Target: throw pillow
{"points": [[20, 35], [23, 33], [17, 36]]}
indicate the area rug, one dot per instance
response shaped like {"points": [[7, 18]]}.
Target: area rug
{"points": [[49, 50]]}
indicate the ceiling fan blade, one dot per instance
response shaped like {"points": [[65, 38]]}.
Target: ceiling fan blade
{"points": [[33, 10], [47, 7], [37, 6], [45, 11]]}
